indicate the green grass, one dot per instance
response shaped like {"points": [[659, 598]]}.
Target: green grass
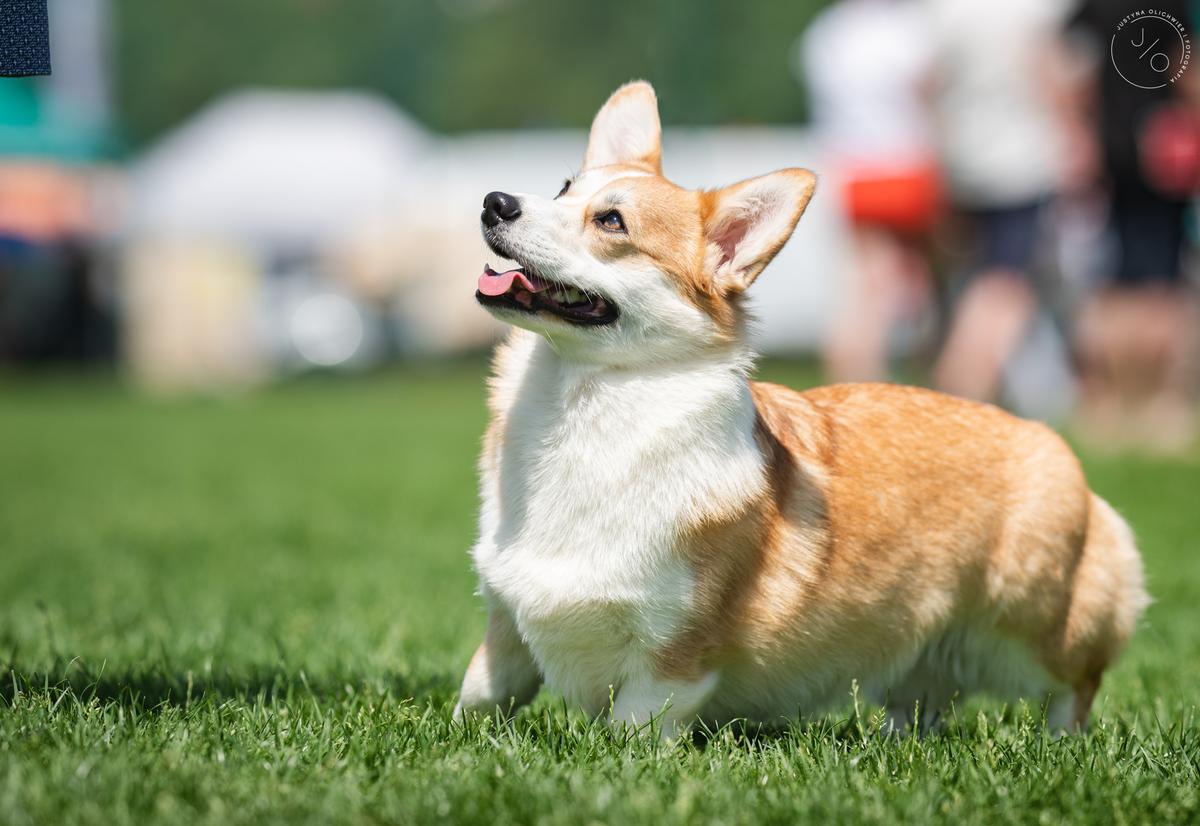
{"points": [[257, 610]]}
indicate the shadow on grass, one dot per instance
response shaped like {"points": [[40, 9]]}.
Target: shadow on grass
{"points": [[153, 689], [551, 721]]}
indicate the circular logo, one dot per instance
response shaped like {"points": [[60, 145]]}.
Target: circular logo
{"points": [[1150, 48]]}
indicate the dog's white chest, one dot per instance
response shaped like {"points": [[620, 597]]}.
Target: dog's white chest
{"points": [[594, 480]]}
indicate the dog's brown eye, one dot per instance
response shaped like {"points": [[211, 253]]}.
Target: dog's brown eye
{"points": [[611, 221], [566, 185]]}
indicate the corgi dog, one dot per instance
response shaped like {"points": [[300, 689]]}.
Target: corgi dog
{"points": [[661, 537]]}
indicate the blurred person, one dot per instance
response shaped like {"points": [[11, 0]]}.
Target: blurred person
{"points": [[1136, 334], [51, 306], [999, 81], [867, 64], [57, 198]]}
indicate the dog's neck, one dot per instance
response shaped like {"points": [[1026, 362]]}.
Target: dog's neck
{"points": [[720, 369], [670, 441], [702, 402]]}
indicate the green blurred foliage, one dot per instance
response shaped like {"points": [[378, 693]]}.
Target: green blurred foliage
{"points": [[464, 64]]}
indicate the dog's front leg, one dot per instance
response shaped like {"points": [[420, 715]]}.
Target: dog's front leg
{"points": [[502, 675], [671, 704]]}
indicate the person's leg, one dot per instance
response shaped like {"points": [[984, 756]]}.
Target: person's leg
{"points": [[1103, 330], [890, 279], [996, 309], [1167, 339], [1137, 338], [989, 323]]}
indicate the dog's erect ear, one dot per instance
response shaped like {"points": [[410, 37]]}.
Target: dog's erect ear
{"points": [[626, 130], [747, 223]]}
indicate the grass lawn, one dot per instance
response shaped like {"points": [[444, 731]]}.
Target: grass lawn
{"points": [[257, 610]]}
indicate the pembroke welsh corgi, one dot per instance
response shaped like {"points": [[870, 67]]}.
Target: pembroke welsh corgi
{"points": [[662, 537]]}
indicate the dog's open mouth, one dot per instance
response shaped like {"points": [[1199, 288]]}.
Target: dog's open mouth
{"points": [[524, 290]]}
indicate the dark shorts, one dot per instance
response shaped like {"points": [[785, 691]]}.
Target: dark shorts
{"points": [[1149, 232], [1006, 237]]}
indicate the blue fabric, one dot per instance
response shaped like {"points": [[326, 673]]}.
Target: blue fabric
{"points": [[24, 38]]}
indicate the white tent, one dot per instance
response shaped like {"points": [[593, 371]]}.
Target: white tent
{"points": [[278, 167]]}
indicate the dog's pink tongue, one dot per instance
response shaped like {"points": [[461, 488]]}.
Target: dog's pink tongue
{"points": [[494, 283]]}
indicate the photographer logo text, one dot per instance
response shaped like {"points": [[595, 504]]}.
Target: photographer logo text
{"points": [[1150, 48]]}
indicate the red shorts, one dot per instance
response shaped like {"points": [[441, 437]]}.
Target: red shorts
{"points": [[904, 199]]}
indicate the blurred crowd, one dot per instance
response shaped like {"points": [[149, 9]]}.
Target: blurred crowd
{"points": [[1018, 172], [1016, 181]]}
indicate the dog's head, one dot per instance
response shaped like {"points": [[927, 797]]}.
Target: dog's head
{"points": [[624, 267]]}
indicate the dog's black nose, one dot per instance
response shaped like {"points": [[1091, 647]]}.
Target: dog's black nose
{"points": [[499, 206]]}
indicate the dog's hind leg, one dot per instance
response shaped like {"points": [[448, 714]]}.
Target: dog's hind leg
{"points": [[1060, 712], [1068, 710], [1107, 599]]}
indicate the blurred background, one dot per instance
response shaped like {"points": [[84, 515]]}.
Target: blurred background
{"points": [[210, 197]]}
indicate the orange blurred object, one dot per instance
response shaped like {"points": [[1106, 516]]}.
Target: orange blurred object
{"points": [[42, 203], [908, 201]]}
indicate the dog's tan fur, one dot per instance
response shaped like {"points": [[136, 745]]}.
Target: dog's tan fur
{"points": [[895, 512]]}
